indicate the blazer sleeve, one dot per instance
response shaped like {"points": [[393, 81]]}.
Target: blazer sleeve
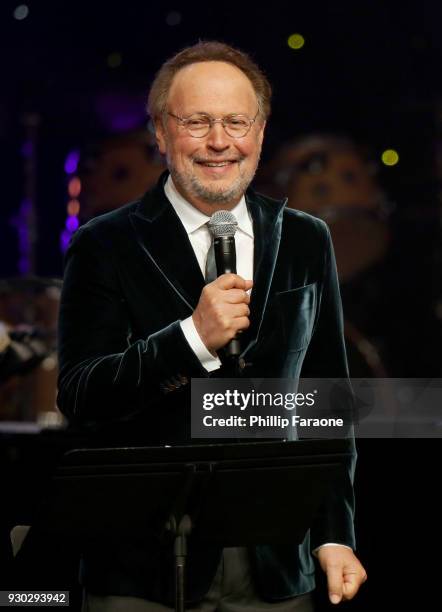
{"points": [[326, 358], [102, 376]]}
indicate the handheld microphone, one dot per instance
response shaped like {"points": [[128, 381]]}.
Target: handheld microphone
{"points": [[222, 226]]}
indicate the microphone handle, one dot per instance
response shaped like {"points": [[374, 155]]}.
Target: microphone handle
{"points": [[225, 258]]}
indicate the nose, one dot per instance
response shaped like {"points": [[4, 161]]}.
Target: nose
{"points": [[217, 139]]}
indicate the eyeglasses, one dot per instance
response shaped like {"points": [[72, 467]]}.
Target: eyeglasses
{"points": [[199, 124]]}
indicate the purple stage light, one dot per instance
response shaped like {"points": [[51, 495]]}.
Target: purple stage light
{"points": [[124, 123], [121, 112], [27, 149], [64, 240], [72, 223], [23, 223], [71, 163], [24, 267]]}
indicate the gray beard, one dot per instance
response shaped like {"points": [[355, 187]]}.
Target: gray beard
{"points": [[211, 196]]}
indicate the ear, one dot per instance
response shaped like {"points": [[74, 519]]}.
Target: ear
{"points": [[261, 132], [160, 136]]}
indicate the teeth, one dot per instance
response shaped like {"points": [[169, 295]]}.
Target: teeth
{"points": [[215, 165]]}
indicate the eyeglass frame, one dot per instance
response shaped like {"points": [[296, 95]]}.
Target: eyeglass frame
{"points": [[212, 122]]}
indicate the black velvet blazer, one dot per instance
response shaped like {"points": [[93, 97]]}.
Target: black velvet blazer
{"points": [[131, 275]]}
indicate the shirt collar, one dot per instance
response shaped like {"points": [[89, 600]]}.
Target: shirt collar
{"points": [[193, 219]]}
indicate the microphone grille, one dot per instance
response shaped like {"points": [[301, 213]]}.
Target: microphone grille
{"points": [[222, 223]]}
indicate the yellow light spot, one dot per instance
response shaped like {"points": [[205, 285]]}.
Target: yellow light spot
{"points": [[296, 41], [390, 157], [114, 60], [73, 208]]}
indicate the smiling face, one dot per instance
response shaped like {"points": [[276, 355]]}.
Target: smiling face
{"points": [[212, 172]]}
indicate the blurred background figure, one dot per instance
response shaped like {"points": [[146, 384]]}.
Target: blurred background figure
{"points": [[109, 171], [28, 359], [117, 170], [334, 179]]}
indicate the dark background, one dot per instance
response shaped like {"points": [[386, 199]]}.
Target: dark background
{"points": [[370, 70]]}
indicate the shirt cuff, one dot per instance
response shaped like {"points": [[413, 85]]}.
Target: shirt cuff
{"points": [[315, 552], [208, 361]]}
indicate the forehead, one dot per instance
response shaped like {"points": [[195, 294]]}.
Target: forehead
{"points": [[214, 87]]}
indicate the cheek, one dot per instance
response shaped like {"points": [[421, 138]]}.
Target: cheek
{"points": [[185, 152], [251, 147], [251, 151]]}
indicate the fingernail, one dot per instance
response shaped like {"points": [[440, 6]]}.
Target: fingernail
{"points": [[335, 598]]}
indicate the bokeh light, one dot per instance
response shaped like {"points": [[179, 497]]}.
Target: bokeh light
{"points": [[73, 208], [72, 223], [296, 41], [74, 187], [65, 238], [71, 163], [21, 12], [114, 60], [173, 18], [390, 157]]}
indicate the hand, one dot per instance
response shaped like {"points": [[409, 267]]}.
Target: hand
{"points": [[222, 310], [344, 571]]}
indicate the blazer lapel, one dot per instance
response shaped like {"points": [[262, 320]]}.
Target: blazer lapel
{"points": [[267, 225], [165, 244]]}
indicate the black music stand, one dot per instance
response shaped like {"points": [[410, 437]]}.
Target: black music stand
{"points": [[210, 493]]}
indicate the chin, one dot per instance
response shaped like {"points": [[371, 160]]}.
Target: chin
{"points": [[220, 191], [219, 196]]}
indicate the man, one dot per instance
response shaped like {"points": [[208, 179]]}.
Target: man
{"points": [[137, 322]]}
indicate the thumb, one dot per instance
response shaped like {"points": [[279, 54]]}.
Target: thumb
{"points": [[334, 583]]}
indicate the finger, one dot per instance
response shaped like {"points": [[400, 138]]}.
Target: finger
{"points": [[241, 310], [334, 583], [237, 296], [352, 582], [350, 586], [230, 281], [240, 323], [234, 311]]}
